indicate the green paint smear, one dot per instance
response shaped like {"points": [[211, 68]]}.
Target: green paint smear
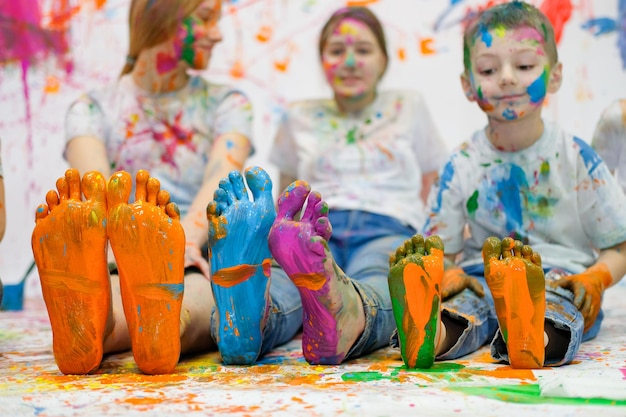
{"points": [[363, 376], [351, 136], [529, 394], [472, 204], [438, 367]]}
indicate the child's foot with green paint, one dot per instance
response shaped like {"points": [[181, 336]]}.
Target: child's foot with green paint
{"points": [[415, 274], [333, 315], [149, 246], [515, 277], [240, 263]]}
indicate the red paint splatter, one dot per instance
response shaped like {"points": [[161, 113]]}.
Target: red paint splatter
{"points": [[559, 13]]}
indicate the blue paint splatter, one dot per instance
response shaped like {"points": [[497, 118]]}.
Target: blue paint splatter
{"points": [[509, 114], [537, 90], [590, 157]]}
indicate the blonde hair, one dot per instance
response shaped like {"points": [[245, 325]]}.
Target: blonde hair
{"points": [[511, 15], [151, 22]]}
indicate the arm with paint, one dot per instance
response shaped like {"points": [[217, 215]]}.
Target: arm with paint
{"points": [[229, 153], [588, 286], [284, 152], [232, 130], [85, 126]]}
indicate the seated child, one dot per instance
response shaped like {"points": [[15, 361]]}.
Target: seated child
{"points": [[547, 196]]}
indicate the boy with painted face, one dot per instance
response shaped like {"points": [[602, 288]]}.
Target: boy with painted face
{"points": [[534, 187]]}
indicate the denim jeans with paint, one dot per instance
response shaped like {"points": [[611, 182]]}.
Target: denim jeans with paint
{"points": [[361, 243], [481, 323]]}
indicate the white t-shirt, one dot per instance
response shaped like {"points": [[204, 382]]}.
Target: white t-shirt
{"points": [[168, 134], [557, 195], [371, 161], [609, 139]]}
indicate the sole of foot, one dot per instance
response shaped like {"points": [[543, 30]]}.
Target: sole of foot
{"points": [[515, 277], [69, 246], [415, 274], [240, 263], [148, 242]]}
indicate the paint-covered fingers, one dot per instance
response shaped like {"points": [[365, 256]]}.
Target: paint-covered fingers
{"points": [[455, 280], [587, 288]]}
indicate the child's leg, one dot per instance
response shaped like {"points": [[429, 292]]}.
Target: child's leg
{"points": [[148, 242], [515, 276], [69, 246], [415, 274], [240, 263], [333, 316]]}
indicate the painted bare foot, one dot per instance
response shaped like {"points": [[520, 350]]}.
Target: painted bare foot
{"points": [[515, 277], [149, 245], [333, 317], [415, 273], [69, 246], [240, 263]]}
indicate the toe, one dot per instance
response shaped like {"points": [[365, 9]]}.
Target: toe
{"points": [[94, 186], [119, 188], [52, 198], [163, 198], [171, 209], [63, 189], [492, 249], [434, 245], [507, 247], [41, 212], [238, 187], [142, 183], [229, 193], [418, 245], [259, 182], [72, 178], [152, 188], [323, 228], [292, 199]]}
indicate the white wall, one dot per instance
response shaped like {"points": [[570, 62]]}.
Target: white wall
{"points": [[32, 143]]}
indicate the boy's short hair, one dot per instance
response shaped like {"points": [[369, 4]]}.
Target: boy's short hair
{"points": [[510, 15]]}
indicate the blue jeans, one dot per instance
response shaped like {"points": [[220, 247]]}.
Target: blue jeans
{"points": [[481, 323], [361, 244]]}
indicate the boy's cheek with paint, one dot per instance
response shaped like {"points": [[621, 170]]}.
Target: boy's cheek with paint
{"points": [[536, 92]]}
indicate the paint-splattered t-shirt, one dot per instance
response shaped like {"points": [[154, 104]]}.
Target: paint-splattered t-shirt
{"points": [[556, 195], [168, 134], [609, 139], [371, 161]]}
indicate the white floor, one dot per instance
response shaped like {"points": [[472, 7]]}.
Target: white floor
{"points": [[283, 384]]}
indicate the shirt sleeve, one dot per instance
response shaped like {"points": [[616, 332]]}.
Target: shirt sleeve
{"points": [[610, 134], [234, 115], [601, 202], [284, 153], [429, 147], [446, 208]]}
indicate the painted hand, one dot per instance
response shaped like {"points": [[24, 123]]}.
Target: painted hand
{"points": [[587, 288], [193, 257], [456, 280]]}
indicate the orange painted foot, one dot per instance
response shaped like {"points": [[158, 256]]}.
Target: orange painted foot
{"points": [[415, 274], [68, 243], [149, 245], [516, 280]]}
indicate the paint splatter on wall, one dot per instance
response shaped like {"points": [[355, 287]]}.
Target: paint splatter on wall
{"points": [[51, 50]]}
